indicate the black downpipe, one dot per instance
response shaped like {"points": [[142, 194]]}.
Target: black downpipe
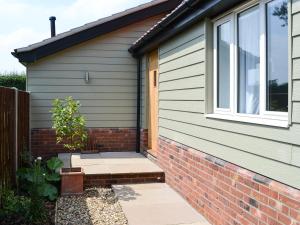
{"points": [[138, 106]]}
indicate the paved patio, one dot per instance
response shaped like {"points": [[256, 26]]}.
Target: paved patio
{"points": [[111, 163], [148, 204], [156, 204]]}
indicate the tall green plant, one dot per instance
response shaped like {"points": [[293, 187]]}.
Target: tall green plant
{"points": [[69, 124], [39, 181]]}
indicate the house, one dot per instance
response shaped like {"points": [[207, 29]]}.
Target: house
{"points": [[218, 94], [92, 64]]}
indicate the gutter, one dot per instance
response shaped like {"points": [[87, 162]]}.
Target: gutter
{"points": [[181, 9], [169, 27], [92, 30], [138, 108]]}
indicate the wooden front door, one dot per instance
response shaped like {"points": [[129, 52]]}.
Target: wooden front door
{"points": [[153, 102]]}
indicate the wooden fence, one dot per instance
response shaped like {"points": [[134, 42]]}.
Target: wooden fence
{"points": [[14, 133]]}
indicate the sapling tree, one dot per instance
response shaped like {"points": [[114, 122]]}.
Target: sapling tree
{"points": [[69, 124]]}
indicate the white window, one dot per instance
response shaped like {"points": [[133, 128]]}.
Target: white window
{"points": [[251, 64]]}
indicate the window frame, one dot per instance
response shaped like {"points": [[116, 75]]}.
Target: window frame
{"points": [[215, 58], [273, 118]]}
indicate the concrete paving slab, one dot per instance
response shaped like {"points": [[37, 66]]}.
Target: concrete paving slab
{"points": [[122, 155], [159, 195], [65, 157], [156, 204], [198, 223], [111, 163]]}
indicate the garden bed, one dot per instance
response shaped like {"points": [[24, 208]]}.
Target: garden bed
{"points": [[19, 220], [97, 206]]}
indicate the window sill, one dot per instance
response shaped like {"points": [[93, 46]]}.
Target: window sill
{"points": [[268, 121]]}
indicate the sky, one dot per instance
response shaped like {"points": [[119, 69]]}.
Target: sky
{"points": [[24, 22]]}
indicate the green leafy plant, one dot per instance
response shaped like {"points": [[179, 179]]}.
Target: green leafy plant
{"points": [[21, 209], [53, 165], [39, 180], [12, 204], [37, 183], [69, 124]]}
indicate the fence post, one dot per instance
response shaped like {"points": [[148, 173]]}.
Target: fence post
{"points": [[16, 132], [29, 122]]}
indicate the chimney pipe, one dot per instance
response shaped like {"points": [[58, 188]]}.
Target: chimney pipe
{"points": [[52, 25]]}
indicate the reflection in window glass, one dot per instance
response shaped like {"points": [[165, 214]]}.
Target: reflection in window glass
{"points": [[223, 43], [277, 56], [248, 61]]}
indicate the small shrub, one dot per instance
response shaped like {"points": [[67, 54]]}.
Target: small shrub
{"points": [[12, 204], [69, 125], [14, 209], [13, 79]]}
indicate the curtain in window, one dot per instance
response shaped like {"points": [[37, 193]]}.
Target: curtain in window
{"points": [[248, 61], [224, 39]]}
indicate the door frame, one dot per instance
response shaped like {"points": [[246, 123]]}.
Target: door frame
{"points": [[153, 70]]}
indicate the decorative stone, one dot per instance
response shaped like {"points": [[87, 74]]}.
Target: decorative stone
{"points": [[97, 206]]}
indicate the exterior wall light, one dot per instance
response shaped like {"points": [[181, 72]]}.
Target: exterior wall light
{"points": [[87, 77]]}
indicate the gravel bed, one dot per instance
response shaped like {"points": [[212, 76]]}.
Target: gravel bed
{"points": [[97, 206]]}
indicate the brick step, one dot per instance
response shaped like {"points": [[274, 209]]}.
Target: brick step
{"points": [[106, 180]]}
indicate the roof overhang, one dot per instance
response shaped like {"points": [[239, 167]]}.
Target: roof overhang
{"points": [[187, 14], [58, 43]]}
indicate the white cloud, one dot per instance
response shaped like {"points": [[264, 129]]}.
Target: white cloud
{"points": [[84, 11], [7, 7], [10, 41], [84, 8], [21, 37], [25, 22]]}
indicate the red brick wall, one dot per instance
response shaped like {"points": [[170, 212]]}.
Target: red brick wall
{"points": [[106, 180], [144, 139], [43, 141], [225, 193]]}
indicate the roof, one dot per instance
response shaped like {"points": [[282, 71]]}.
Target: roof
{"points": [[91, 30], [158, 25], [183, 16]]}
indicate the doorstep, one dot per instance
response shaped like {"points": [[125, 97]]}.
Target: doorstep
{"points": [[107, 168]]}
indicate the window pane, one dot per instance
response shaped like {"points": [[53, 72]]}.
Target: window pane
{"points": [[277, 56], [223, 40], [248, 61]]}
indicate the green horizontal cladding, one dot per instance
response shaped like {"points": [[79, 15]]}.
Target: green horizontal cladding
{"points": [[109, 98], [185, 76]]}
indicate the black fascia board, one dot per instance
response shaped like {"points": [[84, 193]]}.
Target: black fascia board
{"points": [[88, 34], [189, 16], [161, 26]]}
